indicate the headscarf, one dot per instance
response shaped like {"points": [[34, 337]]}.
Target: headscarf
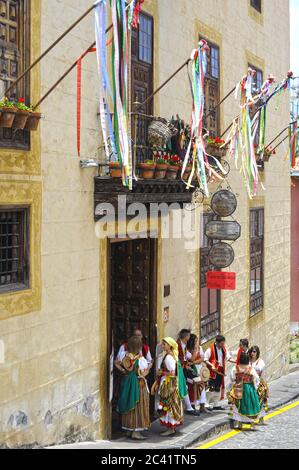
{"points": [[174, 346]]}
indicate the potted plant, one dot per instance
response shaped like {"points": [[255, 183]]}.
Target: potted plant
{"points": [[173, 168], [214, 146], [22, 115], [147, 169], [115, 169], [33, 121], [161, 168], [8, 112]]}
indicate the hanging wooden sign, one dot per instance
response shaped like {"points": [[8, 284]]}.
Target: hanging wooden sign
{"points": [[224, 203], [223, 230], [220, 280], [221, 255]]}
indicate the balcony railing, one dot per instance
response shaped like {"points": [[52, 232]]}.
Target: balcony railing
{"points": [[154, 190]]}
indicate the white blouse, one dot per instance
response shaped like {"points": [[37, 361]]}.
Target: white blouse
{"points": [[143, 364], [259, 366], [170, 363]]}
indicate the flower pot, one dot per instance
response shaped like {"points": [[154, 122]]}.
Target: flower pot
{"points": [[33, 122], [7, 117], [115, 170], [161, 169], [172, 172], [20, 119], [216, 151], [147, 171]]}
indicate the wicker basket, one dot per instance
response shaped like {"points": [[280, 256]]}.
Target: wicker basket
{"points": [[160, 131]]}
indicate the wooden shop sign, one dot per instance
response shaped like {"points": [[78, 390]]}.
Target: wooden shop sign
{"points": [[223, 230], [221, 255], [220, 280], [224, 203]]}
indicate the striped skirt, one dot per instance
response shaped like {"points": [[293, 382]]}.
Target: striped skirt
{"points": [[139, 418]]}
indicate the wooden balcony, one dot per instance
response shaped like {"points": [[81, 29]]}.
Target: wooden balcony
{"points": [[107, 189]]}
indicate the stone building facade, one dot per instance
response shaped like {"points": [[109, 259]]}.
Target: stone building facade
{"points": [[57, 331]]}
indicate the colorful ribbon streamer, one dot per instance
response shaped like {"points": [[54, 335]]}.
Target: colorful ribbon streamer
{"points": [[293, 132], [199, 70], [120, 77], [105, 87]]}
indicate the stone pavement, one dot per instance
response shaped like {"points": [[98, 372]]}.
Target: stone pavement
{"points": [[196, 429], [281, 432]]}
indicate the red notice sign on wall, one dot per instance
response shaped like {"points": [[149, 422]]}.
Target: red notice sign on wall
{"points": [[221, 280]]}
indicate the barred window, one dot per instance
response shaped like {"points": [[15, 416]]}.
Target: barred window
{"points": [[14, 249], [256, 260], [14, 59], [209, 298], [257, 5]]}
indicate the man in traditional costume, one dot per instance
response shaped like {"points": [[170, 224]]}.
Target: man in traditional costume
{"points": [[263, 389], [145, 349], [170, 388], [243, 395], [133, 401], [216, 357], [184, 336], [243, 348]]}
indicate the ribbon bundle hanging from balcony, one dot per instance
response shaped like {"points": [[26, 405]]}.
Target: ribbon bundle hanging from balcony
{"points": [[120, 52], [260, 118], [199, 70], [105, 87], [249, 165], [293, 133]]}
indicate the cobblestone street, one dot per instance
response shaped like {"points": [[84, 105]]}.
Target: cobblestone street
{"points": [[281, 432]]}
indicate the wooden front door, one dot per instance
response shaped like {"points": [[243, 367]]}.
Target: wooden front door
{"points": [[132, 300]]}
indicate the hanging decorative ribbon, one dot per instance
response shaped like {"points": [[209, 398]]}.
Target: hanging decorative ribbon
{"points": [[134, 13], [199, 69], [79, 93], [293, 132], [105, 88], [249, 167], [260, 118], [120, 77]]}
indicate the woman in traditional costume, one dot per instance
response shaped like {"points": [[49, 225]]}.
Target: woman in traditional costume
{"points": [[133, 402], [243, 394], [171, 388], [196, 388], [184, 336], [263, 390]]}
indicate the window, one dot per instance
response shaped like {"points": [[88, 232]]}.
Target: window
{"points": [[209, 298], [258, 79], [257, 5], [146, 39], [14, 249], [14, 58], [212, 91], [256, 260]]}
